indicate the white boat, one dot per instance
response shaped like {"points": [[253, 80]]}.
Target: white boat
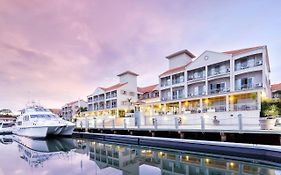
{"points": [[35, 152], [38, 122], [6, 127]]}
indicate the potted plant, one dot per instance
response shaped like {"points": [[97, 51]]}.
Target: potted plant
{"points": [[269, 113]]}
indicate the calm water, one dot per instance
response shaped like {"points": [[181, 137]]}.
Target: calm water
{"points": [[19, 155]]}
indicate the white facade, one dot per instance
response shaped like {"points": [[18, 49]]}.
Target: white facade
{"points": [[115, 99], [71, 109], [216, 73]]}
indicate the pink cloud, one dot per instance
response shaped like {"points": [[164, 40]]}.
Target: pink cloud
{"points": [[58, 51]]}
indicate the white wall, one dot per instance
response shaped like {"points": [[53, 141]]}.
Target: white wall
{"points": [[179, 60]]}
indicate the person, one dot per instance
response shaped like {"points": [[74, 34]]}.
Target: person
{"points": [[216, 121]]}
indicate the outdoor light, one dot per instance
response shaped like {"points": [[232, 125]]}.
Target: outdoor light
{"points": [[232, 164]]}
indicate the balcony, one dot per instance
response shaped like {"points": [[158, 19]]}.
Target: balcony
{"points": [[165, 98], [178, 94], [245, 107], [199, 93], [96, 98], [218, 90], [166, 81], [248, 62], [107, 96], [218, 72], [178, 78], [196, 76]]}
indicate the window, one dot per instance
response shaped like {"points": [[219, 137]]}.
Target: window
{"points": [[26, 118]]}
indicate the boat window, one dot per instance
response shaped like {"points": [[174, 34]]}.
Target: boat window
{"points": [[26, 118], [42, 116], [19, 123]]}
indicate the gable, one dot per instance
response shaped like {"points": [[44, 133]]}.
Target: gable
{"points": [[208, 58], [98, 91]]}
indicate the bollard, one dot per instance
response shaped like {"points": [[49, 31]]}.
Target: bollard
{"points": [[223, 137], [125, 123], [102, 123], [202, 123], [113, 123], [86, 124], [176, 122], [154, 120], [95, 123], [182, 135], [240, 124]]}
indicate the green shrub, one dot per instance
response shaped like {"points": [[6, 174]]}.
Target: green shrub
{"points": [[270, 108]]}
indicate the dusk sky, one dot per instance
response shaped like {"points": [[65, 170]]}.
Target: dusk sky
{"points": [[57, 51]]}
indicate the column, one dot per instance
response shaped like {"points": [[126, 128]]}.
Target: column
{"points": [[201, 104], [259, 100], [206, 80], [151, 110], [185, 84], [232, 76], [180, 108], [227, 103], [165, 109], [171, 90]]}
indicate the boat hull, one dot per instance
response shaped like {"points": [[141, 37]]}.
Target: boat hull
{"points": [[67, 130], [33, 132]]}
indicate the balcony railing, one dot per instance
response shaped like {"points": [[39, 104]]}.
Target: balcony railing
{"points": [[248, 86], [178, 96], [196, 94], [217, 91], [200, 76], [165, 98], [178, 80], [246, 65], [219, 72], [245, 107]]}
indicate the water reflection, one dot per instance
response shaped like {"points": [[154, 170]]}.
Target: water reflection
{"points": [[77, 156], [132, 160]]}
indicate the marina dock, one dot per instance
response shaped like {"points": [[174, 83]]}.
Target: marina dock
{"points": [[264, 152]]}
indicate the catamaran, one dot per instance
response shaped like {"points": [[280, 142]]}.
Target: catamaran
{"points": [[38, 122]]}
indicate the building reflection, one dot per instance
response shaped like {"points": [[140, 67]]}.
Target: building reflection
{"points": [[130, 159]]}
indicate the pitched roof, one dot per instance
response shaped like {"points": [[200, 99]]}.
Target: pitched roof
{"points": [[116, 86], [179, 53], [147, 88], [239, 51], [128, 72], [177, 69], [71, 103], [276, 87], [56, 111]]}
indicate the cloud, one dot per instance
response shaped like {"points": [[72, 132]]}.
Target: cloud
{"points": [[56, 51]]}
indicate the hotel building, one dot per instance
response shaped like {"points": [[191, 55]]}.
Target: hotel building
{"points": [[215, 85], [220, 85], [116, 100], [276, 91], [69, 110]]}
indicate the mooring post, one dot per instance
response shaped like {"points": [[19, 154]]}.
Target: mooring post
{"points": [[223, 136], [155, 123], [125, 123], [95, 123], [240, 124], [181, 135], [176, 122], [113, 123], [86, 124], [202, 123], [102, 123]]}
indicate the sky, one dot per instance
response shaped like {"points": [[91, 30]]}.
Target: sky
{"points": [[58, 51]]}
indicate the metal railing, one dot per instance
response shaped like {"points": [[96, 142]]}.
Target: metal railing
{"points": [[173, 122]]}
